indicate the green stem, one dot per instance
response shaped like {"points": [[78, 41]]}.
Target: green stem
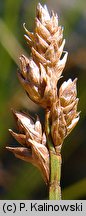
{"points": [[55, 164], [55, 170]]}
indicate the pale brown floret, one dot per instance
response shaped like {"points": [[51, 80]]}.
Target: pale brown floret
{"points": [[64, 113], [33, 140], [46, 45]]}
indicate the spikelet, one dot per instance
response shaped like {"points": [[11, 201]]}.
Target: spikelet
{"points": [[32, 139], [64, 113], [39, 74]]}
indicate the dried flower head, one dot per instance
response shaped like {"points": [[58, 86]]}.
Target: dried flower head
{"points": [[32, 139], [39, 74]]}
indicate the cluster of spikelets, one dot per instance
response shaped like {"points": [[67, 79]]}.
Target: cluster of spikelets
{"points": [[39, 76]]}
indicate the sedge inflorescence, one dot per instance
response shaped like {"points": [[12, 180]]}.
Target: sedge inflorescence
{"points": [[39, 76]]}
